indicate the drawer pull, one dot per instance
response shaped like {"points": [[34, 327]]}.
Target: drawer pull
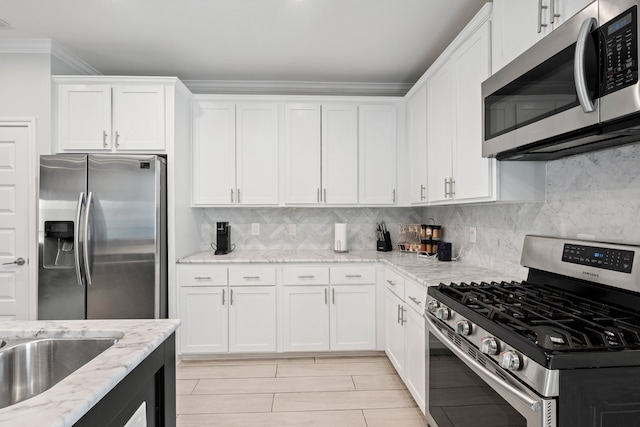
{"points": [[354, 276], [307, 277], [325, 296], [202, 277], [251, 277], [415, 300], [223, 296], [391, 282]]}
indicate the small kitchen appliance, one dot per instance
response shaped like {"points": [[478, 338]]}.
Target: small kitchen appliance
{"points": [[223, 238], [340, 238], [573, 91], [560, 349]]}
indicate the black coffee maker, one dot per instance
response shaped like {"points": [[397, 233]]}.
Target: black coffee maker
{"points": [[223, 242]]}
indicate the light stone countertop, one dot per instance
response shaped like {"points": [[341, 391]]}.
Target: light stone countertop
{"points": [[426, 271], [66, 402]]}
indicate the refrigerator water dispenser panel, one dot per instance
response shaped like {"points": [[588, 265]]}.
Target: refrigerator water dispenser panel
{"points": [[58, 244]]}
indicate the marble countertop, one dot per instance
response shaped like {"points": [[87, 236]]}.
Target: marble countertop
{"points": [[426, 271], [66, 402]]}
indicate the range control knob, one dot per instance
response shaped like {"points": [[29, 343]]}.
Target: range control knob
{"points": [[489, 345], [443, 313], [463, 327], [510, 360], [433, 306]]}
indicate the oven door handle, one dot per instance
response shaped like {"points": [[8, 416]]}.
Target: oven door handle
{"points": [[494, 381]]}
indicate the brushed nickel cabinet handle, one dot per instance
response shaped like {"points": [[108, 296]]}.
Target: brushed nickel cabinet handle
{"points": [[391, 282], [415, 300], [251, 277], [231, 297], [333, 296], [353, 276], [307, 277], [117, 139], [393, 199], [202, 277], [232, 195], [325, 296], [104, 139], [223, 296]]}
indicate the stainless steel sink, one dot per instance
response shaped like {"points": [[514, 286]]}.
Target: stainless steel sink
{"points": [[30, 367]]}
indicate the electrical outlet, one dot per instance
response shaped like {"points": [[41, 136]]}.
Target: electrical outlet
{"points": [[473, 235], [292, 230], [255, 229]]}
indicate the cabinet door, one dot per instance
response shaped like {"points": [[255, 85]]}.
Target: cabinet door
{"points": [[252, 319], [305, 315], [353, 317], [415, 358], [84, 117], [377, 148], [417, 134], [516, 28], [340, 154], [439, 133], [139, 118], [203, 311], [302, 154], [567, 8], [471, 65], [394, 331], [257, 154], [214, 153]]}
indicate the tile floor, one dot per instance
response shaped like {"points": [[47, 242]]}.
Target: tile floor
{"points": [[362, 391]]}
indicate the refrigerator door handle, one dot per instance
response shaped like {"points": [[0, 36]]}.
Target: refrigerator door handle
{"points": [[76, 237], [85, 239]]}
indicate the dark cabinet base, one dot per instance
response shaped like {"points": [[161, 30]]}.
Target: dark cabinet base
{"points": [[153, 382]]}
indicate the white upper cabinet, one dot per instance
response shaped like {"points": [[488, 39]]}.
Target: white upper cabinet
{"points": [[417, 134], [378, 153], [339, 154], [257, 155], [235, 154], [440, 132], [214, 153], [518, 25], [111, 117], [302, 154]]}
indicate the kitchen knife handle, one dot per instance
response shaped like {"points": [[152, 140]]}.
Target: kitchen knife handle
{"points": [[76, 237], [85, 239]]}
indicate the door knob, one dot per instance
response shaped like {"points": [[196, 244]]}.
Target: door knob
{"points": [[19, 261]]}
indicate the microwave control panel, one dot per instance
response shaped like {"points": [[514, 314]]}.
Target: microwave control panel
{"points": [[621, 51]]}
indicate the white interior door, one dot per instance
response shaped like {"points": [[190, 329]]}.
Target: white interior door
{"points": [[16, 215]]}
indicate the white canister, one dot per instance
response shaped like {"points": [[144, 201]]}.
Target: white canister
{"points": [[340, 238]]}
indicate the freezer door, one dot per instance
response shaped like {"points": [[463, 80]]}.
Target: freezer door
{"points": [[61, 291], [124, 236]]}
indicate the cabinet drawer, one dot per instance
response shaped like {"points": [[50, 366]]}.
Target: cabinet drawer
{"points": [[394, 282], [305, 275], [353, 275], [252, 276], [202, 276], [415, 295]]}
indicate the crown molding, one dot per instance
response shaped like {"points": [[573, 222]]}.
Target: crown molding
{"points": [[48, 46], [72, 60], [242, 87]]}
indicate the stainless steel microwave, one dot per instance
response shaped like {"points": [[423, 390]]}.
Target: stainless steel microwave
{"points": [[576, 90]]}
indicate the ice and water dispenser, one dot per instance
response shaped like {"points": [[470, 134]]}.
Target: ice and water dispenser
{"points": [[58, 250]]}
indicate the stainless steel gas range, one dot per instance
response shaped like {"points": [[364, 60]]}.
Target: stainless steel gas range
{"points": [[560, 349]]}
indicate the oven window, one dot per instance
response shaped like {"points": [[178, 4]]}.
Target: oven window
{"points": [[546, 90], [459, 398]]}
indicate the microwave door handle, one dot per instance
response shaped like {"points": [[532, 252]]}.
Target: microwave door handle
{"points": [[579, 72], [534, 405], [76, 237], [85, 239]]}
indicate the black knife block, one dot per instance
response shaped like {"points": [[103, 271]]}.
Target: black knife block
{"points": [[384, 245]]}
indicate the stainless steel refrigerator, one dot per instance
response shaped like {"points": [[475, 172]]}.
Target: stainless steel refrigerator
{"points": [[102, 237]]}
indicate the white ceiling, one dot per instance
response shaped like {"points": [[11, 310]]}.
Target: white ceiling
{"points": [[329, 41]]}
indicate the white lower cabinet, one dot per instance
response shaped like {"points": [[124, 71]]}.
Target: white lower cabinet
{"points": [[305, 318], [252, 319], [394, 331], [204, 320], [319, 315], [353, 317], [405, 332]]}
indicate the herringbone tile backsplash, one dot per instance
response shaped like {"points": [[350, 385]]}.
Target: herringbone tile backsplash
{"points": [[314, 226]]}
